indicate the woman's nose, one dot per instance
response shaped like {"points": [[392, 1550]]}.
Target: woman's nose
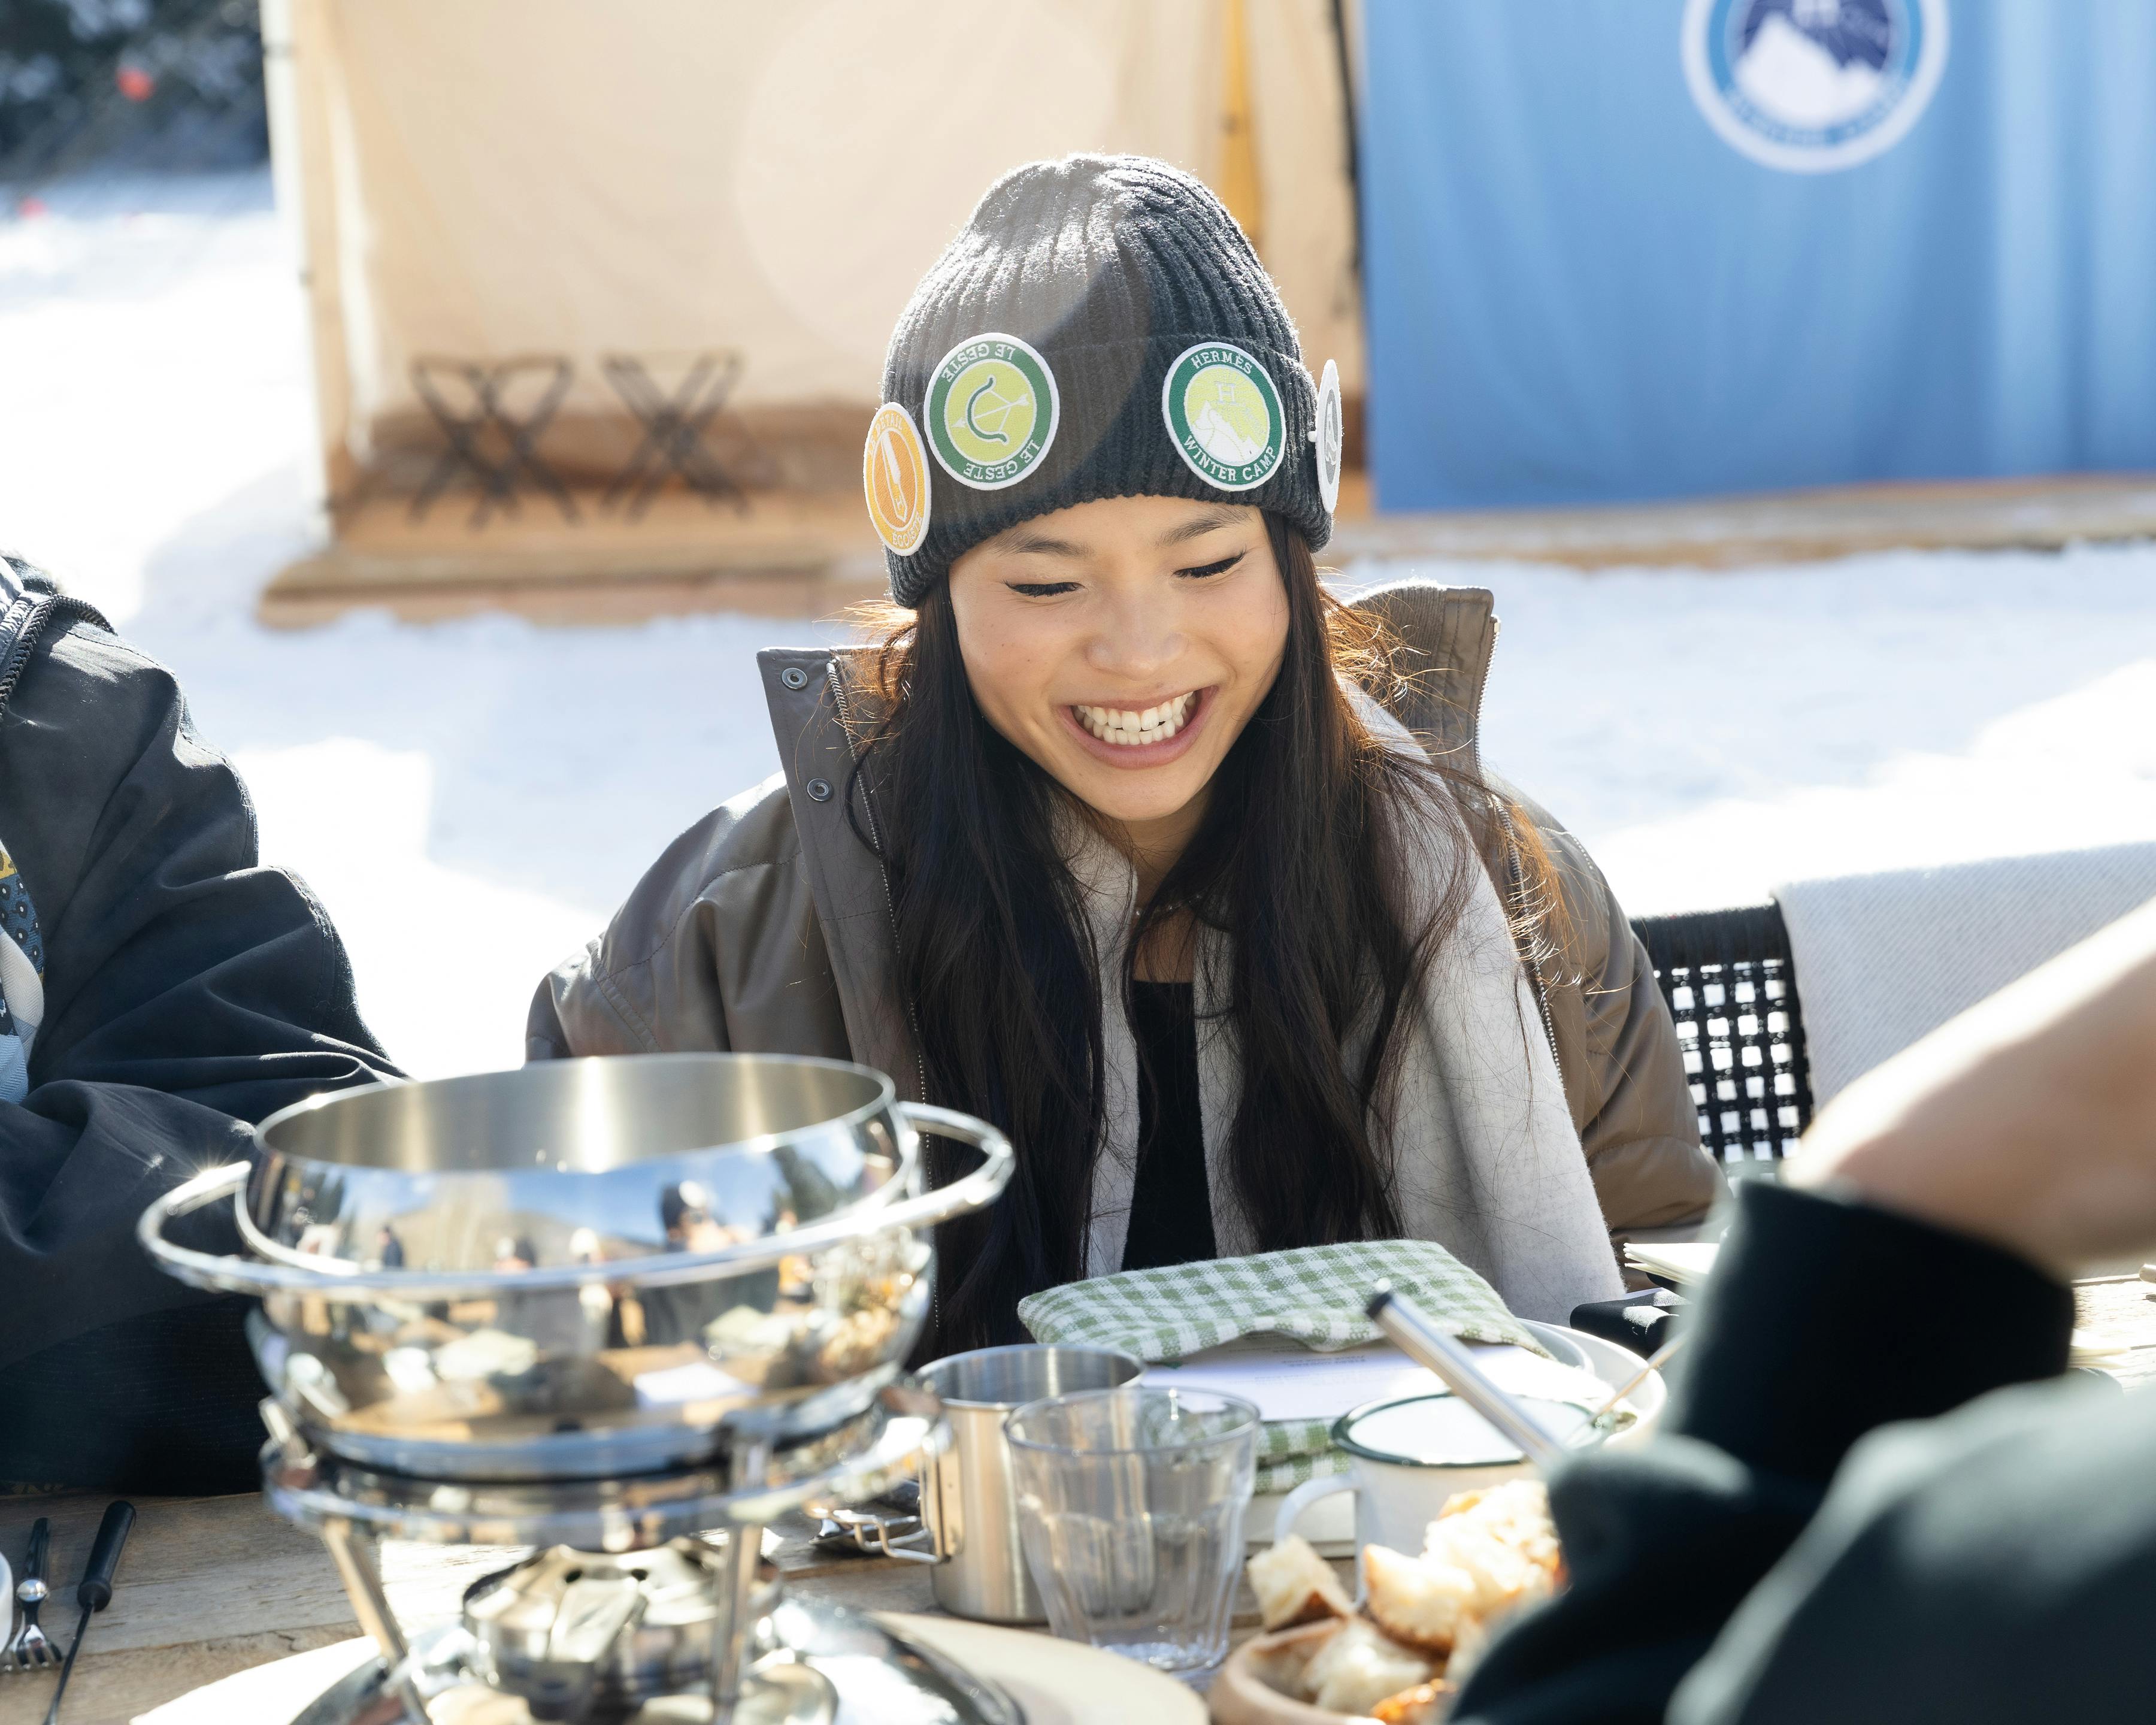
{"points": [[1137, 640]]}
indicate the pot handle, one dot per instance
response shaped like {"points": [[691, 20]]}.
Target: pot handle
{"points": [[199, 1269], [974, 1191], [983, 1186]]}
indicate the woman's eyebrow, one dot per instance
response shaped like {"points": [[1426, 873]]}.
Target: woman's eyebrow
{"points": [[1045, 544], [1200, 525]]}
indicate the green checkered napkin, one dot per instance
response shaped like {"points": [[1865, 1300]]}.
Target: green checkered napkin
{"points": [[1314, 1295], [1292, 1450]]}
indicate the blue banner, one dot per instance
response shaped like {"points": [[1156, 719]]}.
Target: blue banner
{"points": [[1638, 248]]}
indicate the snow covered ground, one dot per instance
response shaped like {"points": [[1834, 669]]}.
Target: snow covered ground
{"points": [[471, 799]]}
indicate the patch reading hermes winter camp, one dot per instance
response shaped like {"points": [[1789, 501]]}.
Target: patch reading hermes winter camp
{"points": [[1223, 416]]}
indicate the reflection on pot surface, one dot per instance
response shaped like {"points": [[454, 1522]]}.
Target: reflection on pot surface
{"points": [[629, 1375], [586, 1268]]}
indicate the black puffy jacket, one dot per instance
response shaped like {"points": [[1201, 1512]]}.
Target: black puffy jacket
{"points": [[188, 989]]}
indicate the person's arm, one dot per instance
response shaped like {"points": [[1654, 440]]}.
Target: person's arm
{"points": [[1970, 1567], [716, 948], [2030, 1121], [651, 983], [1623, 1067], [1825, 1319], [187, 989]]}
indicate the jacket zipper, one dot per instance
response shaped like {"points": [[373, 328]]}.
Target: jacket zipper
{"points": [[891, 910], [1515, 866]]}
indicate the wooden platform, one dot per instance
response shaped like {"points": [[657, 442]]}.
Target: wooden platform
{"points": [[789, 554], [810, 553], [1789, 526]]}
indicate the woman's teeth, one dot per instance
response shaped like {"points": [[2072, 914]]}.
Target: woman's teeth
{"points": [[1132, 730]]}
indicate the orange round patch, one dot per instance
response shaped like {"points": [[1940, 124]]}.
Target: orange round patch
{"points": [[895, 475]]}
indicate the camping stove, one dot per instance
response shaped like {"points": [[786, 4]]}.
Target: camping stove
{"points": [[622, 1312], [647, 1602]]}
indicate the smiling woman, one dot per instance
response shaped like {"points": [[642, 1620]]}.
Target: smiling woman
{"points": [[1122, 645], [1121, 839]]}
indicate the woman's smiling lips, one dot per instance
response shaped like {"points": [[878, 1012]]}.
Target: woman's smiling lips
{"points": [[1195, 707]]}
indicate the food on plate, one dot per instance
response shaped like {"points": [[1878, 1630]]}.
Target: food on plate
{"points": [[1295, 1585], [1517, 1512], [1498, 1545], [1426, 1618], [1357, 1667], [1418, 1605], [1424, 1704], [1467, 1648], [1280, 1659]]}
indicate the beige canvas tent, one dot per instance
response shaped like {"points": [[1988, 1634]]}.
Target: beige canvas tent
{"points": [[662, 178]]}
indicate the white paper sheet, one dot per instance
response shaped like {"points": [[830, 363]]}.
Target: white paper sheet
{"points": [[1287, 1381], [1684, 1261]]}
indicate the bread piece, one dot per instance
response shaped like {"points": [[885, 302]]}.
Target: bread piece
{"points": [[1503, 1540], [1501, 1577], [1467, 1651], [1517, 1512], [1425, 1704], [1283, 1657], [1357, 1668], [1295, 1585], [1417, 1603]]}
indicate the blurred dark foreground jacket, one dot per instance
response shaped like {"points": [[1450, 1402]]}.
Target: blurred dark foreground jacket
{"points": [[187, 989], [1875, 1500]]}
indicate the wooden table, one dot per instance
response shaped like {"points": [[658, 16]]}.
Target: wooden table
{"points": [[211, 1586]]}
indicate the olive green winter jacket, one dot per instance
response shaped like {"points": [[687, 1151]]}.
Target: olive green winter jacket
{"points": [[766, 927]]}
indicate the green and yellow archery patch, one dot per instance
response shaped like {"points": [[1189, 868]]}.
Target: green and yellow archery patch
{"points": [[992, 412], [1223, 416]]}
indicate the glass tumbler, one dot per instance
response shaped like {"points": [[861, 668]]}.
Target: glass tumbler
{"points": [[1131, 1507]]}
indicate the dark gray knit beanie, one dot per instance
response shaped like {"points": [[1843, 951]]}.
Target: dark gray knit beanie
{"points": [[1110, 269]]}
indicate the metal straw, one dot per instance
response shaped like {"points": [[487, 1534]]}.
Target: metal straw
{"points": [[1427, 1345]]}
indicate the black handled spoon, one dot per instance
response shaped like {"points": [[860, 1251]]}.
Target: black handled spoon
{"points": [[94, 1592]]}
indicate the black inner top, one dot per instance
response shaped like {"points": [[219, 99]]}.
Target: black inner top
{"points": [[1170, 1205]]}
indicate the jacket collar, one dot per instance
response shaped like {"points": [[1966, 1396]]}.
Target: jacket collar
{"points": [[820, 700]]}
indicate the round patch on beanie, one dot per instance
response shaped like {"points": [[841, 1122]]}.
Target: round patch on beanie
{"points": [[1330, 434], [895, 475], [991, 412], [1223, 416]]}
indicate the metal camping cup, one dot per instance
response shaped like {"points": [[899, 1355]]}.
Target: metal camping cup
{"points": [[966, 1502]]}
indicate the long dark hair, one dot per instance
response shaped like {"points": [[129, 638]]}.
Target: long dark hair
{"points": [[1325, 951]]}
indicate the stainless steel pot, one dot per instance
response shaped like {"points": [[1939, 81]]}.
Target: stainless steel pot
{"points": [[584, 1269]]}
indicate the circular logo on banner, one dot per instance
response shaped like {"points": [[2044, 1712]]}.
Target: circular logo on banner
{"points": [[1223, 416], [894, 474], [1330, 434], [991, 412], [1812, 85]]}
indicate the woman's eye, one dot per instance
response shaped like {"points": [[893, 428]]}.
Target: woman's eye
{"points": [[1219, 568], [1041, 589]]}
